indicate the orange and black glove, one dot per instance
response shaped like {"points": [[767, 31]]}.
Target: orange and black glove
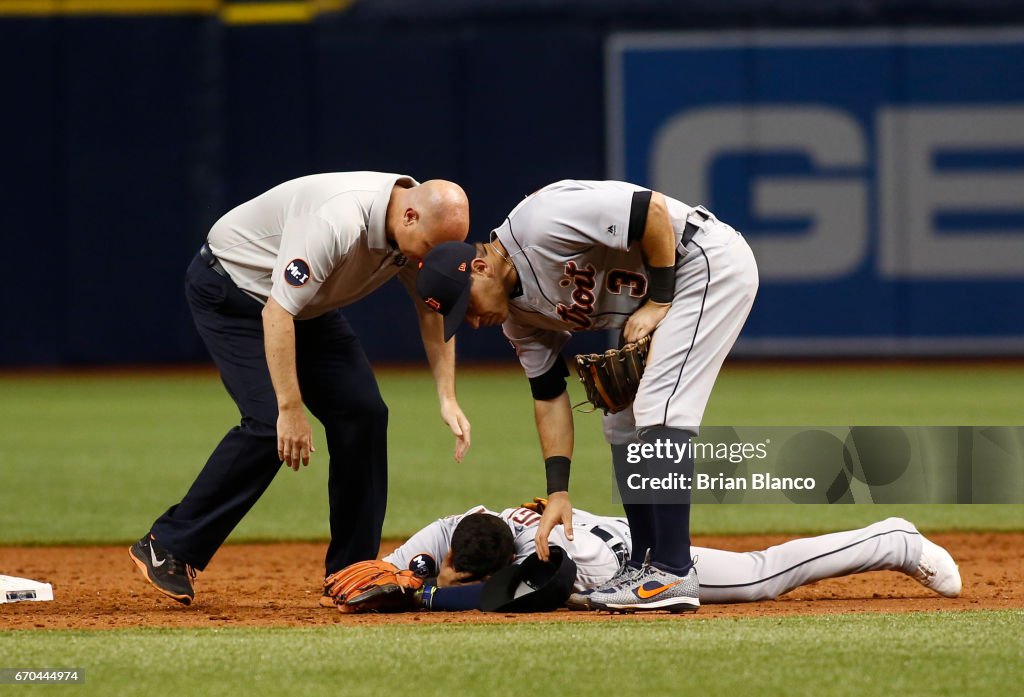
{"points": [[374, 586]]}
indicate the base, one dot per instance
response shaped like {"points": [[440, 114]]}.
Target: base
{"points": [[13, 589]]}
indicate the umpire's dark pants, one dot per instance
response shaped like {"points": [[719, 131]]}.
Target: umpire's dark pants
{"points": [[340, 390]]}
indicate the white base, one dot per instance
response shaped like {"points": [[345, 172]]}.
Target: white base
{"points": [[13, 589]]}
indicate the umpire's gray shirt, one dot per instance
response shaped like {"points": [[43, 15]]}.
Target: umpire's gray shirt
{"points": [[314, 243]]}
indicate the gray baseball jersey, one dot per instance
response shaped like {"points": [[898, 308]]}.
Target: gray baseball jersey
{"points": [[425, 551], [578, 256], [601, 544], [577, 268], [314, 243]]}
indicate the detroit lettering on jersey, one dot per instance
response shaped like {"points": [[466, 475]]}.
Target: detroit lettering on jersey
{"points": [[584, 294]]}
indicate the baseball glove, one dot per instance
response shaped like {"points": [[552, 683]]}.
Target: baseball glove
{"points": [[612, 378], [374, 586], [537, 505]]}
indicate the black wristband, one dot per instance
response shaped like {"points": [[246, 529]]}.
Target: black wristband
{"points": [[661, 284], [557, 470]]}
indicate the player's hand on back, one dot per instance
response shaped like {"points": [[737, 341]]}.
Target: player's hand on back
{"points": [[644, 321], [557, 511]]}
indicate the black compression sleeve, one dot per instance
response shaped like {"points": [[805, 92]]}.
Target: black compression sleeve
{"points": [[552, 383], [638, 214]]}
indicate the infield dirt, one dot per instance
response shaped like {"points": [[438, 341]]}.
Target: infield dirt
{"points": [[276, 585]]}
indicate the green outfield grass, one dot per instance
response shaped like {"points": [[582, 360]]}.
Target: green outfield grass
{"points": [[927, 654], [91, 458]]}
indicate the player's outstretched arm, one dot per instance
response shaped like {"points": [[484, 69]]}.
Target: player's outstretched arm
{"points": [[555, 427], [441, 356]]}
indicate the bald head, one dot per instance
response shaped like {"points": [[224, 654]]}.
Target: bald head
{"points": [[427, 215], [444, 210]]}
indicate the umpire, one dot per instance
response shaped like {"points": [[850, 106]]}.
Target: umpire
{"points": [[265, 291]]}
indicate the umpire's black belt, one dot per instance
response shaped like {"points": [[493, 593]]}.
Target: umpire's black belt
{"points": [[213, 262]]}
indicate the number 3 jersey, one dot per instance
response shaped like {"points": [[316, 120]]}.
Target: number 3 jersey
{"points": [[576, 247], [600, 545]]}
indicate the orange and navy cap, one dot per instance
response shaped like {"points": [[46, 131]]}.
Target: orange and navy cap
{"points": [[444, 282]]}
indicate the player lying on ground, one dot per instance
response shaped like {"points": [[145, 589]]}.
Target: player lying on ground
{"points": [[463, 549]]}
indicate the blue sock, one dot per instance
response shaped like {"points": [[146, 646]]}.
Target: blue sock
{"points": [[671, 548], [673, 551], [641, 520]]}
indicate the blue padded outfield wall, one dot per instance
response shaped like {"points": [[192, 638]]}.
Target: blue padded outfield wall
{"points": [[879, 173]]}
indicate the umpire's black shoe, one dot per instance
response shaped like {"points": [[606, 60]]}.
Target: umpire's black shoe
{"points": [[170, 576]]}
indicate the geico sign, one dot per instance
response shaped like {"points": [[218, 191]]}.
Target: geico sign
{"points": [[911, 191]]}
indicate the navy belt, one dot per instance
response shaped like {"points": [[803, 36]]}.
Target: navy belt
{"points": [[213, 262], [691, 228], [613, 543]]}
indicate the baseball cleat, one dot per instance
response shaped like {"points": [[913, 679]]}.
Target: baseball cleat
{"points": [[650, 589], [170, 576], [937, 570], [581, 600]]}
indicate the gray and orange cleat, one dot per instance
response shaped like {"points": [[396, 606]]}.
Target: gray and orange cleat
{"points": [[169, 575], [649, 590], [580, 600]]}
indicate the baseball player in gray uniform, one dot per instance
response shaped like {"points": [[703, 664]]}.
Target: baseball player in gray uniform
{"points": [[600, 545], [600, 255], [265, 292]]}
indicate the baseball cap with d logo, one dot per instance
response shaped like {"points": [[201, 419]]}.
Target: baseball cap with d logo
{"points": [[444, 282]]}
